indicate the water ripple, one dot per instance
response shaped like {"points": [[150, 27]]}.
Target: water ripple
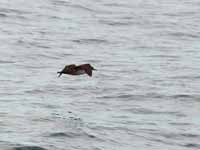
{"points": [[29, 148], [72, 134], [192, 145], [91, 41]]}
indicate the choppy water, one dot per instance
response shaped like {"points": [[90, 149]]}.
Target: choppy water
{"points": [[144, 96]]}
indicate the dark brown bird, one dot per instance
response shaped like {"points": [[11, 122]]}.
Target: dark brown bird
{"points": [[77, 70]]}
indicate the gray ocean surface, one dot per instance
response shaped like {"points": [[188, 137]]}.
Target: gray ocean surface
{"points": [[143, 96]]}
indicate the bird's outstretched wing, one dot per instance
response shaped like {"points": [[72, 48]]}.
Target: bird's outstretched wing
{"points": [[68, 67], [86, 67], [89, 66], [89, 72], [65, 69]]}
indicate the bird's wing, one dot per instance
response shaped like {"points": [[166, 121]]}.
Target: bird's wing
{"points": [[86, 68], [89, 72], [90, 66], [83, 66], [68, 66]]}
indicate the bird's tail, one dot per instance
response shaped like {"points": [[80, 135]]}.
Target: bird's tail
{"points": [[60, 73]]}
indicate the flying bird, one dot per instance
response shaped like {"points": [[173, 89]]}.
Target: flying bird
{"points": [[77, 70]]}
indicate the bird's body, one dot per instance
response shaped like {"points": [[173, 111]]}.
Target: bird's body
{"points": [[77, 70]]}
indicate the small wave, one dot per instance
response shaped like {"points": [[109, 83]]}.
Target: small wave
{"points": [[174, 136], [72, 134], [3, 15], [14, 13], [180, 124], [43, 46], [151, 111], [116, 23], [59, 134], [60, 2], [177, 135], [182, 96], [32, 44], [141, 111], [76, 6], [39, 45], [7, 10], [180, 14], [188, 77], [118, 5], [163, 56], [44, 105], [192, 145], [90, 41], [6, 62], [49, 56], [29, 148], [190, 135], [35, 91], [183, 35], [82, 7], [133, 97], [124, 96]]}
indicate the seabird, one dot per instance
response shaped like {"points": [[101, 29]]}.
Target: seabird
{"points": [[77, 70]]}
